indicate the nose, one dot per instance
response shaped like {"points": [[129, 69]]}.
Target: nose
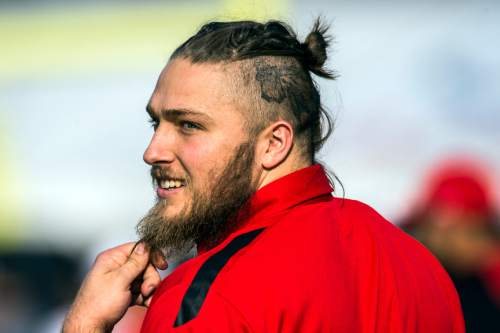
{"points": [[159, 149]]}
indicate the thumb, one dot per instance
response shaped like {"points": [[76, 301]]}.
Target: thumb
{"points": [[135, 264]]}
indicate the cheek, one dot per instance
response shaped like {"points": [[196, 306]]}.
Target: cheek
{"points": [[203, 158], [196, 154]]}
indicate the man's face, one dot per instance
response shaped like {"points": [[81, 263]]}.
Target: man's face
{"points": [[198, 146]]}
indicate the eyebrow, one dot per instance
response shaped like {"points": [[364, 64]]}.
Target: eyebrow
{"points": [[173, 114]]}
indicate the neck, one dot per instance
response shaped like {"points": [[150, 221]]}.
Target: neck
{"points": [[286, 167]]}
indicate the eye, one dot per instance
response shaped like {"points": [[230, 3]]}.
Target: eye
{"points": [[189, 126], [154, 123]]}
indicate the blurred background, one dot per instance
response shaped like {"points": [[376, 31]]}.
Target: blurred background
{"points": [[419, 86]]}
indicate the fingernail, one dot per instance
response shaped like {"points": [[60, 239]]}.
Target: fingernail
{"points": [[140, 249]]}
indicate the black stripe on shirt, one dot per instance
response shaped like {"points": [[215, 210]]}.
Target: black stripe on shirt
{"points": [[198, 290]]}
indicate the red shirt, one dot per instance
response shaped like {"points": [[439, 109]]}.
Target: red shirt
{"points": [[304, 261]]}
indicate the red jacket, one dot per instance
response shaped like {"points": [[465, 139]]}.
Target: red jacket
{"points": [[304, 261]]}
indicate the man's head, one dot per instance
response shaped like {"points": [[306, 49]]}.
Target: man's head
{"points": [[270, 72], [234, 109]]}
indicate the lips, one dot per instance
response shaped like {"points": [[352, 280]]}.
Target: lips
{"points": [[168, 187], [167, 193]]}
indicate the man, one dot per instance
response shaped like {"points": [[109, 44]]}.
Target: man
{"points": [[237, 122], [456, 219]]}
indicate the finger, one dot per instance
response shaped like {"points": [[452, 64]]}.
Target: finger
{"points": [[151, 280], [135, 264], [113, 258], [158, 260]]}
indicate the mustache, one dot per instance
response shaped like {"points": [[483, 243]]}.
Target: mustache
{"points": [[159, 173]]}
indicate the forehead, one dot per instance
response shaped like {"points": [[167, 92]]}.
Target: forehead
{"points": [[205, 88]]}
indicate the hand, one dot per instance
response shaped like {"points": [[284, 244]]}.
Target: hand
{"points": [[120, 277]]}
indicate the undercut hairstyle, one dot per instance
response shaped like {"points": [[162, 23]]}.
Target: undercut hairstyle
{"points": [[272, 74]]}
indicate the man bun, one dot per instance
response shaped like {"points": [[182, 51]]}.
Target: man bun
{"points": [[315, 49]]}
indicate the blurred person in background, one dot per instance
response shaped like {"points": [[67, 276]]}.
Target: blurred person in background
{"points": [[457, 220], [237, 121], [34, 284]]}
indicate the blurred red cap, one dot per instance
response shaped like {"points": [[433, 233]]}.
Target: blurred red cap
{"points": [[461, 184]]}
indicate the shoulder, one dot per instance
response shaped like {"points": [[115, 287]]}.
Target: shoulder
{"points": [[340, 240], [335, 223], [327, 229], [370, 236]]}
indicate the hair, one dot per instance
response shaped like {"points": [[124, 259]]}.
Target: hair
{"points": [[275, 69]]}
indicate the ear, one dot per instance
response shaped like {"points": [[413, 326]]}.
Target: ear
{"points": [[278, 142]]}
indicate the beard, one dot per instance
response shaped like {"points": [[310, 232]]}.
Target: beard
{"points": [[211, 216]]}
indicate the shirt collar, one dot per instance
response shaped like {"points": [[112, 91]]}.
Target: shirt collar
{"points": [[286, 192]]}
